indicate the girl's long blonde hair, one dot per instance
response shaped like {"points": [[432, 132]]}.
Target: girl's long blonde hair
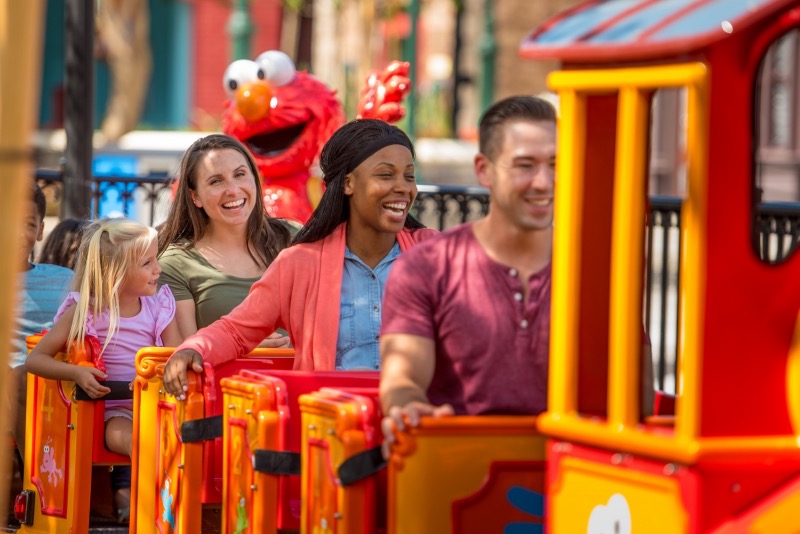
{"points": [[108, 249]]}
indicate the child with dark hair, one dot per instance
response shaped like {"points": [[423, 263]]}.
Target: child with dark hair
{"points": [[41, 290], [61, 246], [326, 289]]}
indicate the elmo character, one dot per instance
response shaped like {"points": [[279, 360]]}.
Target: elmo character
{"points": [[285, 117]]}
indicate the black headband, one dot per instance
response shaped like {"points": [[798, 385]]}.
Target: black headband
{"points": [[396, 137]]}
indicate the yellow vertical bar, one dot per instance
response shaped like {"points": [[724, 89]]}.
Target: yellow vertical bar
{"points": [[627, 227], [694, 213], [793, 380], [563, 380], [20, 49]]}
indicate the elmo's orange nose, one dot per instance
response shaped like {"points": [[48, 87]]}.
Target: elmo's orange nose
{"points": [[252, 100]]}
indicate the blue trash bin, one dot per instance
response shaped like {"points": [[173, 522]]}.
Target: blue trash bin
{"points": [[114, 199]]}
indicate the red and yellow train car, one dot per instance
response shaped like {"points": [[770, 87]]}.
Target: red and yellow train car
{"points": [[729, 460]]}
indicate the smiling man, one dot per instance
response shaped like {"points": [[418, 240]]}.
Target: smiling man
{"points": [[466, 316]]}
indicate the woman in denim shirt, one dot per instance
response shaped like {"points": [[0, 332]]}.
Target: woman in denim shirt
{"points": [[326, 289]]}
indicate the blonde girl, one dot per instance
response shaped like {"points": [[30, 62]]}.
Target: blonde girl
{"points": [[115, 298]]}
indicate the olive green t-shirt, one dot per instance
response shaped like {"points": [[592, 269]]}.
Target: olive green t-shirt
{"points": [[190, 276]]}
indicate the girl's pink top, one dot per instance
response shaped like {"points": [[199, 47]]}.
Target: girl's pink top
{"points": [[142, 330]]}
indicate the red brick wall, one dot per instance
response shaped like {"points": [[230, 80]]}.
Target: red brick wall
{"points": [[212, 51]]}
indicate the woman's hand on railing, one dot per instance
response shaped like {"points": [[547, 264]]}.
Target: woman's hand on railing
{"points": [[275, 341], [175, 380]]}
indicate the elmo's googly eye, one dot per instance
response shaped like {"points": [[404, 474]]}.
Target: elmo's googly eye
{"points": [[275, 67], [239, 73]]}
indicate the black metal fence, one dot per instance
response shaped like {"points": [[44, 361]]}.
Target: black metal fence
{"points": [[662, 242], [776, 233], [144, 198]]}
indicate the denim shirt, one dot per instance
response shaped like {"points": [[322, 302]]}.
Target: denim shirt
{"points": [[360, 311]]}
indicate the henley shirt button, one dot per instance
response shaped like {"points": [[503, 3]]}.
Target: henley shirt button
{"points": [[377, 366], [512, 272], [375, 308], [377, 337], [524, 323], [518, 297]]}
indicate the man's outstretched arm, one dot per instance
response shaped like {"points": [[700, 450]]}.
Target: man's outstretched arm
{"points": [[407, 366]]}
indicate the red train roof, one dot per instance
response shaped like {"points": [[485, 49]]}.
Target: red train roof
{"points": [[625, 30]]}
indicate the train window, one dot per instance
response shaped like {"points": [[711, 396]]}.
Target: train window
{"points": [[667, 169], [667, 187], [777, 157]]}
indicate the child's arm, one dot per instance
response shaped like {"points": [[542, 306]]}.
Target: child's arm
{"points": [[41, 361], [171, 336]]}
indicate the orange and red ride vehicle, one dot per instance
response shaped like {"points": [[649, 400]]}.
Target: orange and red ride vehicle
{"points": [[269, 448]]}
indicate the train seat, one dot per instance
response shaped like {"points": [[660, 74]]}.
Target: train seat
{"points": [[262, 440], [100, 454], [66, 439], [178, 444], [342, 427]]}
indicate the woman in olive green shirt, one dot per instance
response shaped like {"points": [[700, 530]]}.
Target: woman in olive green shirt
{"points": [[217, 240]]}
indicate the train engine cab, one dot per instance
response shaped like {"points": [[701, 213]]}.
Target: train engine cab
{"points": [[729, 459]]}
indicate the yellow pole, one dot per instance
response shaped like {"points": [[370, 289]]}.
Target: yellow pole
{"points": [[563, 385], [20, 53], [625, 343]]}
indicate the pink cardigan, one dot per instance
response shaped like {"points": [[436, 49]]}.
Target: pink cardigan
{"points": [[299, 292]]}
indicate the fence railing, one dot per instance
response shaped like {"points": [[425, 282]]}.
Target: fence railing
{"points": [[144, 198], [776, 233], [662, 277]]}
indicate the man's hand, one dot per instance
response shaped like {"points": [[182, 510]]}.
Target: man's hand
{"points": [[410, 413], [175, 381], [86, 377]]}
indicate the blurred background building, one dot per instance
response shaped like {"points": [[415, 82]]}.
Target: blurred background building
{"points": [[458, 45], [464, 53]]}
